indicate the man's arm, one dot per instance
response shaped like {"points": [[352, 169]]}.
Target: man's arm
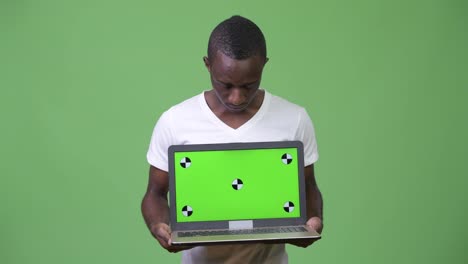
{"points": [[155, 208], [314, 200], [314, 206]]}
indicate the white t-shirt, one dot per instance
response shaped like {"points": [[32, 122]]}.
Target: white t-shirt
{"points": [[193, 122]]}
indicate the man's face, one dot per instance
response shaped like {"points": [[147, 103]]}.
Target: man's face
{"points": [[235, 82]]}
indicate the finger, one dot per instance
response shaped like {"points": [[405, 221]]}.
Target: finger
{"points": [[163, 242], [163, 237], [303, 242], [174, 249], [315, 223], [300, 244]]}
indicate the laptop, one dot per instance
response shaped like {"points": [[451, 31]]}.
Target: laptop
{"points": [[237, 192]]}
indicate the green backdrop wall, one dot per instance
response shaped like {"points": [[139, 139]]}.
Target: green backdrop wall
{"points": [[83, 82]]}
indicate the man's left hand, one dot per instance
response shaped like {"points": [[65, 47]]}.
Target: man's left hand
{"points": [[315, 223]]}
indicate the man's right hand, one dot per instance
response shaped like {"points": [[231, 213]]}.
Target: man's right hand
{"points": [[162, 232], [156, 210]]}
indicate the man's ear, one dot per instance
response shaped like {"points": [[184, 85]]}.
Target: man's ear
{"points": [[207, 63]]}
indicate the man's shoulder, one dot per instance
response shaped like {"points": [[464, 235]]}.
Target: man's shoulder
{"points": [[187, 105], [283, 104]]}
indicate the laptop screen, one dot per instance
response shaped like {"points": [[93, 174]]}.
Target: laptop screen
{"points": [[237, 183]]}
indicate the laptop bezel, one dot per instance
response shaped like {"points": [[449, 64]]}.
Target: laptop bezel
{"points": [[224, 224]]}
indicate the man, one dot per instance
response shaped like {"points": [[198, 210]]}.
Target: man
{"points": [[235, 110]]}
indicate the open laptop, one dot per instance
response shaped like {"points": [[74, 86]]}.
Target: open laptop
{"points": [[237, 192]]}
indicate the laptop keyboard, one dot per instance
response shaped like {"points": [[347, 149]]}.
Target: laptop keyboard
{"points": [[270, 230]]}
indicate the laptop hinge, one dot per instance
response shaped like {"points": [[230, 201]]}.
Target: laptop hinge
{"points": [[247, 224]]}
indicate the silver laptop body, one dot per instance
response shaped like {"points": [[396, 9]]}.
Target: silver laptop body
{"points": [[218, 179]]}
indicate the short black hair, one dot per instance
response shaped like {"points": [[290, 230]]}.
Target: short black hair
{"points": [[238, 38]]}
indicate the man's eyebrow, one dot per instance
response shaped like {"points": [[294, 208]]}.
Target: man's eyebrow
{"points": [[251, 82], [221, 82]]}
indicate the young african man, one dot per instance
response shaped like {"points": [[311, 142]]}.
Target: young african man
{"points": [[236, 109]]}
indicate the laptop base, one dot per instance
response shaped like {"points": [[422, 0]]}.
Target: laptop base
{"points": [[247, 237]]}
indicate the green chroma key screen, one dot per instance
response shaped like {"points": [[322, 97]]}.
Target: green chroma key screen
{"points": [[218, 185]]}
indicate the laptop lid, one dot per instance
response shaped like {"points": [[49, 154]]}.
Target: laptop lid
{"points": [[236, 185]]}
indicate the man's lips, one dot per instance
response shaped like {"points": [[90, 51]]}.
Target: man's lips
{"points": [[237, 107]]}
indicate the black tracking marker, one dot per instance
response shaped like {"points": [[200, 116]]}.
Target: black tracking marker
{"points": [[286, 158], [185, 162], [237, 184], [288, 207], [187, 210]]}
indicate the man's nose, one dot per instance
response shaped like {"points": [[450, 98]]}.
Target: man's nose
{"points": [[236, 96]]}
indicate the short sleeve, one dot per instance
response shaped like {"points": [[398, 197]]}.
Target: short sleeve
{"points": [[161, 139], [306, 133]]}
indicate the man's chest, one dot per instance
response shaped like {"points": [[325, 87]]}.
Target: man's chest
{"points": [[207, 131]]}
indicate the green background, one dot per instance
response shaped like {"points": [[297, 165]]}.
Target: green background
{"points": [[206, 187], [83, 82]]}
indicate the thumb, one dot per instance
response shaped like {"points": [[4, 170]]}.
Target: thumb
{"points": [[316, 223], [163, 231]]}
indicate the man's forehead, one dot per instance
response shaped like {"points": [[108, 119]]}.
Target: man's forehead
{"points": [[250, 65], [223, 56]]}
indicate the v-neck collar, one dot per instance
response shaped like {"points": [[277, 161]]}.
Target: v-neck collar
{"points": [[248, 124]]}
